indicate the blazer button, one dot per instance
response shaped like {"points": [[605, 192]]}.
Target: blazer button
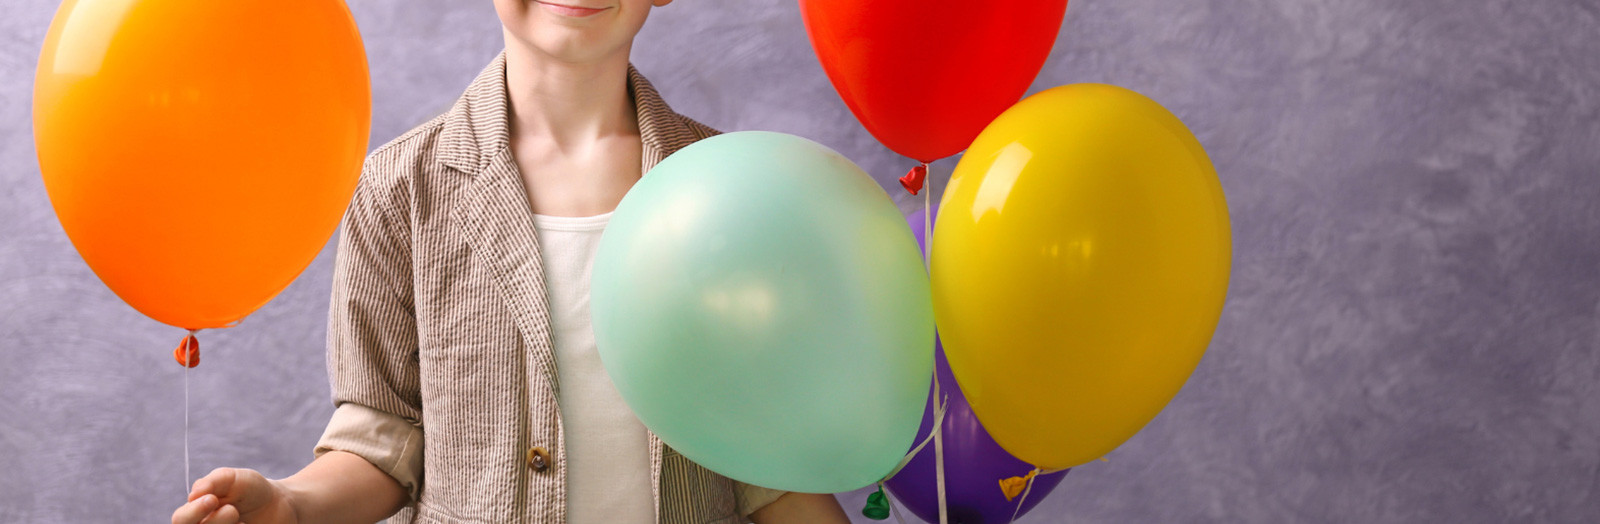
{"points": [[539, 458]]}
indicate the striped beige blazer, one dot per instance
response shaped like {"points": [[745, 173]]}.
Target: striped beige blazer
{"points": [[439, 347]]}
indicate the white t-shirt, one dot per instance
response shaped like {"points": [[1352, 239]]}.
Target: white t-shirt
{"points": [[608, 456]]}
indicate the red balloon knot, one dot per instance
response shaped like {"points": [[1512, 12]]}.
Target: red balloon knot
{"points": [[914, 178]]}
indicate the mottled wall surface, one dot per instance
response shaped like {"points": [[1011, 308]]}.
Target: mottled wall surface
{"points": [[1412, 333]]}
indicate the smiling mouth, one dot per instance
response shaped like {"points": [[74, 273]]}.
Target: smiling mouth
{"points": [[571, 10]]}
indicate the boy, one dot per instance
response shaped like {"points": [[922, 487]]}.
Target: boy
{"points": [[460, 310]]}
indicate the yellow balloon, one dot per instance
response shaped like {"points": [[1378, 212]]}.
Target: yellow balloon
{"points": [[1080, 263]]}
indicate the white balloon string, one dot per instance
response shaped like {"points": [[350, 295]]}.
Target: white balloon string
{"points": [[938, 427], [938, 420], [187, 357], [890, 501], [927, 221], [941, 400], [938, 451]]}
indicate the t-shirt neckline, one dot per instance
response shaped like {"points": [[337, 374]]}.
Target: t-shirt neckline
{"points": [[564, 223]]}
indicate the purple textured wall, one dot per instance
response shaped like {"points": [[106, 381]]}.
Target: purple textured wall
{"points": [[1412, 333]]}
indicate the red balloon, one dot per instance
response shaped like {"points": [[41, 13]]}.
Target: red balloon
{"points": [[925, 76]]}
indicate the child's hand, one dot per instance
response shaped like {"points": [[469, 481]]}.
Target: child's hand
{"points": [[231, 495]]}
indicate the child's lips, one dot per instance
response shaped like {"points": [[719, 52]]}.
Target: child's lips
{"points": [[572, 10]]}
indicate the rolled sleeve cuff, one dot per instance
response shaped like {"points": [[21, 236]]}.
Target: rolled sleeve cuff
{"points": [[388, 441], [753, 498]]}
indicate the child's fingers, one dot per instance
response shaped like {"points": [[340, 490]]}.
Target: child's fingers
{"points": [[227, 514], [219, 482], [194, 510]]}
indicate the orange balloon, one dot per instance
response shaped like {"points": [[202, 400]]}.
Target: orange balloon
{"points": [[200, 153]]}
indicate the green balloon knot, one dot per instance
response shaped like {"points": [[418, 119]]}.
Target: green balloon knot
{"points": [[877, 507]]}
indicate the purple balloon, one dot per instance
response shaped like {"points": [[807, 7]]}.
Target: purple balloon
{"points": [[973, 462]]}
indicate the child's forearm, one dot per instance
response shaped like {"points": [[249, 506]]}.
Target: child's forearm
{"points": [[341, 487], [797, 508]]}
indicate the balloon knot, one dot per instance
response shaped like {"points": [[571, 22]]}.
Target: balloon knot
{"points": [[877, 507], [188, 352], [913, 179], [1013, 486]]}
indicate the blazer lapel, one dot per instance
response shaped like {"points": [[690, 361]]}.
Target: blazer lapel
{"points": [[498, 225], [493, 213]]}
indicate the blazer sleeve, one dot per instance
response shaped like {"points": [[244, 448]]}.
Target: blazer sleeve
{"points": [[372, 336], [751, 498]]}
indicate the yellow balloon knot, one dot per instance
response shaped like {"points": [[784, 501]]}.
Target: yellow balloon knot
{"points": [[1013, 486]]}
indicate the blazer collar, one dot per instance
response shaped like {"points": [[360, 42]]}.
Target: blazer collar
{"points": [[478, 126]]}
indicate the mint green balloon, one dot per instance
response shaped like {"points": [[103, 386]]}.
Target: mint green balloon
{"points": [[762, 307]]}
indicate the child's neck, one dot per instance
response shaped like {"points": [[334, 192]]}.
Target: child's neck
{"points": [[569, 103]]}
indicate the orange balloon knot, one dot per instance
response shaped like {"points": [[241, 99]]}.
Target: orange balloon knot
{"points": [[188, 352], [1013, 486], [913, 179]]}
